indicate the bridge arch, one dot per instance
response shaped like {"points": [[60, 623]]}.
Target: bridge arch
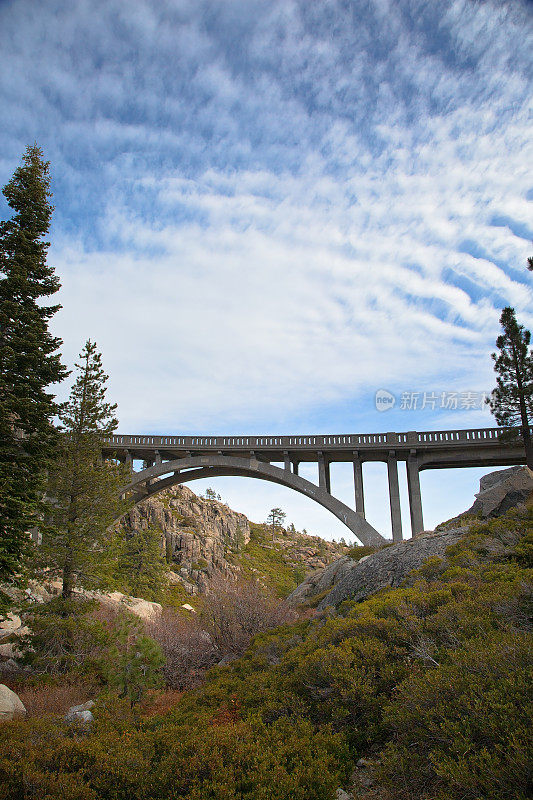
{"points": [[154, 479]]}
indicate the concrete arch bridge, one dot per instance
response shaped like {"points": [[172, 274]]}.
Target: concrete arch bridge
{"points": [[170, 460]]}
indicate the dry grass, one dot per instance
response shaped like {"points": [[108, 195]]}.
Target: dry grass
{"points": [[159, 702], [40, 701]]}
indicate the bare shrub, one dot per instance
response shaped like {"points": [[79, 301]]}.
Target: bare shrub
{"points": [[56, 700], [187, 648], [232, 615], [235, 612]]}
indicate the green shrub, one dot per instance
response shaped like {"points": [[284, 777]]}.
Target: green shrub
{"points": [[65, 640], [360, 551], [223, 758], [135, 662], [471, 722]]}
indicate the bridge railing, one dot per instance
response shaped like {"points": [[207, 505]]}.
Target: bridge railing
{"points": [[337, 441]]}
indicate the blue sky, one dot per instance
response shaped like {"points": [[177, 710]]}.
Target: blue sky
{"points": [[268, 211]]}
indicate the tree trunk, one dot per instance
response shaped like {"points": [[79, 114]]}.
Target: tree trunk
{"points": [[525, 432], [69, 576], [528, 445]]}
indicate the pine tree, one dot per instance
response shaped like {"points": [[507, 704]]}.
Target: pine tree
{"points": [[512, 399], [84, 488], [138, 566], [275, 519], [29, 361]]}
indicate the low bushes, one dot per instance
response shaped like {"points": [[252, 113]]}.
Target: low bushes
{"points": [[73, 639], [218, 759], [471, 721], [435, 676]]}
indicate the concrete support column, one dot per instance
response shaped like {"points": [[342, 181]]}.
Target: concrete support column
{"points": [[394, 496], [324, 480], [358, 483], [295, 465], [157, 457], [129, 460], [286, 461], [415, 497]]}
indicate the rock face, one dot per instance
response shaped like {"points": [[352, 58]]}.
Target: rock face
{"points": [[196, 534], [9, 624], [501, 490], [205, 539], [10, 704], [388, 567], [144, 609], [321, 580]]}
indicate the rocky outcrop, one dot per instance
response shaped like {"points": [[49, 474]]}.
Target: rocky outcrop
{"points": [[198, 535], [389, 567], [9, 625], [146, 610], [320, 581], [11, 705], [501, 490]]}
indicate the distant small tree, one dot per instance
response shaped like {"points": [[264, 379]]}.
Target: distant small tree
{"points": [[210, 494], [84, 487], [275, 519], [511, 401]]}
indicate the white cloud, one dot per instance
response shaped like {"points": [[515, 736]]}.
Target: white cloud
{"points": [[265, 211]]}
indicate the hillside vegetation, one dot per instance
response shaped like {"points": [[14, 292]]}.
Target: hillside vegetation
{"points": [[282, 561], [429, 682], [202, 540]]}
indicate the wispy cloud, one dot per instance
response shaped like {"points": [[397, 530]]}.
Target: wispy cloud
{"points": [[267, 210]]}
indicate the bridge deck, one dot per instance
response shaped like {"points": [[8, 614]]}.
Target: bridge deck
{"points": [[437, 449]]}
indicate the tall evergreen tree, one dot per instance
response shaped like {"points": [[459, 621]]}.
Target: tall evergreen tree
{"points": [[84, 488], [138, 564], [512, 399], [29, 361]]}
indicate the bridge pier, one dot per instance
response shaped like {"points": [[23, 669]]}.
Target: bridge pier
{"points": [[394, 497], [415, 497], [324, 478], [129, 459], [358, 483]]}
